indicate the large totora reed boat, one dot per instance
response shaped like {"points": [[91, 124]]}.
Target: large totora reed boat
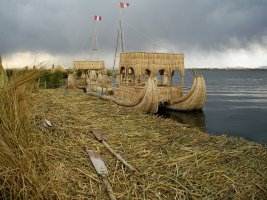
{"points": [[147, 81]]}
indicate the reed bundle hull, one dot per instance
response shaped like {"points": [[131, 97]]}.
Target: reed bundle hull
{"points": [[145, 100], [148, 98], [194, 100]]}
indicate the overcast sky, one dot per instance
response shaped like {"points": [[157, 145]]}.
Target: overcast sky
{"points": [[211, 33]]}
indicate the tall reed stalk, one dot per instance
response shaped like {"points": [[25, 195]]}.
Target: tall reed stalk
{"points": [[18, 172]]}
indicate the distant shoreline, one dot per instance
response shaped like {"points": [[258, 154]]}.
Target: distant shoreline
{"points": [[228, 69]]}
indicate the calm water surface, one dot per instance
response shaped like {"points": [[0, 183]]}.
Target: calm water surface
{"points": [[236, 104]]}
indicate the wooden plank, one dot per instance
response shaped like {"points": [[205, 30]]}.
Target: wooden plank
{"points": [[98, 163]]}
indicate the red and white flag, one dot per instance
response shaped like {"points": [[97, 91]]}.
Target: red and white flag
{"points": [[97, 18], [124, 5]]}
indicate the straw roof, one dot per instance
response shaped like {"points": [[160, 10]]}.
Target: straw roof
{"points": [[89, 65], [141, 61]]}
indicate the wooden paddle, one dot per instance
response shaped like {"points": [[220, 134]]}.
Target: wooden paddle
{"points": [[102, 138], [101, 170]]}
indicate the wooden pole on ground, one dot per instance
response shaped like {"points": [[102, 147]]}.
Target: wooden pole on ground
{"points": [[101, 138], [101, 170]]}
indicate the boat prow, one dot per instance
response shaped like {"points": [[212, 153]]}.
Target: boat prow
{"points": [[195, 98], [146, 100]]}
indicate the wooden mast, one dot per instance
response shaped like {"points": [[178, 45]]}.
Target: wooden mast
{"points": [[94, 39], [120, 42], [121, 31], [94, 49]]}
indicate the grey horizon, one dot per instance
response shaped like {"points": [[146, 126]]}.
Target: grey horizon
{"points": [[64, 26]]}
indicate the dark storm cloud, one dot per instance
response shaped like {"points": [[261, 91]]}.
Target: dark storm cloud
{"points": [[64, 26]]}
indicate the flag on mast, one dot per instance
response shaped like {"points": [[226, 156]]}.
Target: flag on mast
{"points": [[97, 18], [124, 5]]}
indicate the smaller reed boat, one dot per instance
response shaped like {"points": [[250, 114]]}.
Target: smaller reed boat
{"points": [[89, 75]]}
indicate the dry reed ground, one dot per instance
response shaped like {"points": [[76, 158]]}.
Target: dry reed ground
{"points": [[174, 162]]}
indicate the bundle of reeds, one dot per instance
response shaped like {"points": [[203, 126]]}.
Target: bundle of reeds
{"points": [[19, 156], [173, 161], [3, 77]]}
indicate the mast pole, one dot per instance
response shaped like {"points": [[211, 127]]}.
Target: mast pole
{"points": [[121, 31], [120, 43], [94, 40]]}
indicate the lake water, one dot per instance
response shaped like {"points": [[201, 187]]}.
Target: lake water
{"points": [[236, 104]]}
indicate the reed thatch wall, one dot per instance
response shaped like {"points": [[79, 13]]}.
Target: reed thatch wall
{"points": [[154, 62], [89, 65]]}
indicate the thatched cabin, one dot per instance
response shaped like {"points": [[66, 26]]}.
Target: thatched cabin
{"points": [[84, 69], [152, 80], [136, 67], [85, 66]]}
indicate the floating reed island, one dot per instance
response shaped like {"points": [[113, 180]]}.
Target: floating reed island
{"points": [[44, 134]]}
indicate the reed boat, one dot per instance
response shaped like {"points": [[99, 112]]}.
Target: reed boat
{"points": [[87, 73], [147, 81]]}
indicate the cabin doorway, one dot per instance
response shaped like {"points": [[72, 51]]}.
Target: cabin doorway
{"points": [[175, 79], [147, 75], [160, 77], [131, 75], [163, 77], [122, 75]]}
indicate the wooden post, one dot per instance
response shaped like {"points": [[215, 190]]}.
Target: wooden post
{"points": [[182, 81], [121, 31], [94, 40]]}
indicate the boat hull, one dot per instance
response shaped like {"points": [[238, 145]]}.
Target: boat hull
{"points": [[148, 98], [145, 100], [194, 100]]}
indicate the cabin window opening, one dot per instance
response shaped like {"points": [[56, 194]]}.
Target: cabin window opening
{"points": [[87, 73], [92, 75], [160, 76], [175, 78], [122, 75], [147, 74], [131, 75], [79, 73]]}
